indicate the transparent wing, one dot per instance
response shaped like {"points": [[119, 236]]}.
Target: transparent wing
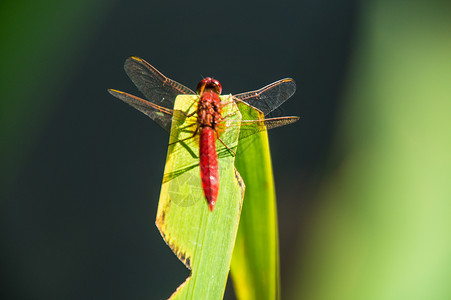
{"points": [[271, 96], [156, 87], [250, 127], [161, 115], [161, 92]]}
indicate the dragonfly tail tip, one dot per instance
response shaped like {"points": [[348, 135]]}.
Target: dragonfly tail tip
{"points": [[211, 205]]}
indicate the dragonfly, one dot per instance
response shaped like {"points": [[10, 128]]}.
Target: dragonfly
{"points": [[160, 92]]}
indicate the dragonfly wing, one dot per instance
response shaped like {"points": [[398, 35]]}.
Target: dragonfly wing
{"points": [[271, 96], [250, 127], [156, 87], [161, 115]]}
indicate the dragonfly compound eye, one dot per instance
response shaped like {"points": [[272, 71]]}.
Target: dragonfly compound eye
{"points": [[209, 84], [216, 86]]}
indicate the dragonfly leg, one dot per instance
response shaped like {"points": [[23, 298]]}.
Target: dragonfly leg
{"points": [[191, 114], [229, 115], [187, 115], [230, 150], [227, 103], [190, 137]]}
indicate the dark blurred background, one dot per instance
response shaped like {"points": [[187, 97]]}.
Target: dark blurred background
{"points": [[363, 180]]}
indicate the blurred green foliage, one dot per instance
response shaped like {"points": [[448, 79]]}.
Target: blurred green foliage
{"points": [[41, 42], [383, 229]]}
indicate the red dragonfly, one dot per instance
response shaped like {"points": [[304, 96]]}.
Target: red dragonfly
{"points": [[161, 92]]}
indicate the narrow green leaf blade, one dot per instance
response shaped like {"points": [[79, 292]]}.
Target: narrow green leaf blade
{"points": [[201, 239], [255, 261]]}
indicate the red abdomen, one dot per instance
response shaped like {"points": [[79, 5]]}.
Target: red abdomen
{"points": [[209, 172]]}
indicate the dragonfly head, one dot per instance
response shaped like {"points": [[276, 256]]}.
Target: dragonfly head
{"points": [[209, 84]]}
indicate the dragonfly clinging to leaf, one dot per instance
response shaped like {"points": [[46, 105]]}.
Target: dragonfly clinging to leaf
{"points": [[161, 92]]}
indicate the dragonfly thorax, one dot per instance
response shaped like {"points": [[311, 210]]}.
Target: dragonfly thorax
{"points": [[209, 110]]}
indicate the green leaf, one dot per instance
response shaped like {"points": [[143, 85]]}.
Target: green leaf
{"points": [[255, 261], [201, 239]]}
